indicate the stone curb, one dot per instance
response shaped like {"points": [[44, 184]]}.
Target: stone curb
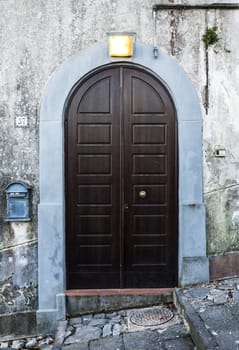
{"points": [[199, 333]]}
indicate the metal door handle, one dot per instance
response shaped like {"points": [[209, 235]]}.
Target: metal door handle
{"points": [[126, 206], [142, 194]]}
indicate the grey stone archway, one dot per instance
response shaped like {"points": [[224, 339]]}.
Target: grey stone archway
{"points": [[193, 263]]}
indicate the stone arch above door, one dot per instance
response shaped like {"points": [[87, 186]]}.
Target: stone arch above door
{"points": [[193, 263]]}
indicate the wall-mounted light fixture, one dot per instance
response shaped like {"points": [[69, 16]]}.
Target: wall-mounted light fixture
{"points": [[155, 49], [121, 44]]}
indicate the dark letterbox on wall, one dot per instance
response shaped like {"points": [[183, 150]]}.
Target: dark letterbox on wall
{"points": [[18, 202]]}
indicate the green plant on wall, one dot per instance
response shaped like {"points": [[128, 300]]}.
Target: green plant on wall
{"points": [[210, 36]]}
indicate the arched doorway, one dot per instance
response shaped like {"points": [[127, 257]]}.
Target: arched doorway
{"points": [[192, 259], [121, 188]]}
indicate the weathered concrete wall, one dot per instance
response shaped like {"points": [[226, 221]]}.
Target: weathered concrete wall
{"points": [[36, 36], [221, 129], [181, 36]]}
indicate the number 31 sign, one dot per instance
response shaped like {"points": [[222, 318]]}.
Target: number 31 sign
{"points": [[21, 122]]}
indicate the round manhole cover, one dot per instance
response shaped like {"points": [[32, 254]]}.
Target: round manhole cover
{"points": [[153, 316]]}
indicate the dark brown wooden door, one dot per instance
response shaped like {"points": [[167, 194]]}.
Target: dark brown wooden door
{"points": [[121, 182]]}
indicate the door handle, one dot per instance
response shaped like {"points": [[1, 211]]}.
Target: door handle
{"points": [[142, 194], [126, 206]]}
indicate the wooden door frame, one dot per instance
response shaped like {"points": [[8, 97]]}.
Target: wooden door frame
{"points": [[192, 259]]}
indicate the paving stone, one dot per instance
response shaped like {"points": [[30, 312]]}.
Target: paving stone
{"points": [[76, 346], [69, 332], [32, 343], [18, 344], [147, 340], [108, 343], [111, 315], [84, 334], [41, 337], [107, 330], [199, 293], [100, 322], [117, 329], [54, 347], [86, 319], [75, 320], [115, 319], [177, 344], [49, 340], [228, 340], [101, 315], [61, 328], [173, 332], [50, 347], [220, 318], [122, 313], [216, 296]]}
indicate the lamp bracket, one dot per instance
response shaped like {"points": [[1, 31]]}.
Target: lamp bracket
{"points": [[212, 6]]}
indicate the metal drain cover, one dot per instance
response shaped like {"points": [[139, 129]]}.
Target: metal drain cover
{"points": [[152, 316]]}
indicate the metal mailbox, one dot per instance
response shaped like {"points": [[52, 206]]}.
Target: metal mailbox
{"points": [[18, 202]]}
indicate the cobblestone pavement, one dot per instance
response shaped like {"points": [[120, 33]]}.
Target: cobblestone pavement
{"points": [[27, 342], [210, 310], [108, 331], [115, 331]]}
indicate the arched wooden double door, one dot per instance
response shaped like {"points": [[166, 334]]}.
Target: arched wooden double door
{"points": [[121, 181]]}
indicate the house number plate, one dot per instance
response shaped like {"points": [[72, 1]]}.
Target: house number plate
{"points": [[21, 121]]}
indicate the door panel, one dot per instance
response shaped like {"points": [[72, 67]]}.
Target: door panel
{"points": [[153, 164], [150, 186], [93, 176], [121, 182], [140, 101], [149, 134]]}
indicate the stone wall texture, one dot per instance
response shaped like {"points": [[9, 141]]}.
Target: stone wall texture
{"points": [[36, 36]]}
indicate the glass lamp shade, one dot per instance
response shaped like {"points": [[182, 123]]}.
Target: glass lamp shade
{"points": [[121, 44]]}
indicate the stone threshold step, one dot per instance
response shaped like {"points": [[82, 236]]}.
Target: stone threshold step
{"points": [[126, 291], [83, 301]]}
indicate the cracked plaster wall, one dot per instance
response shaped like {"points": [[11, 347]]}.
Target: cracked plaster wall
{"points": [[37, 36]]}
